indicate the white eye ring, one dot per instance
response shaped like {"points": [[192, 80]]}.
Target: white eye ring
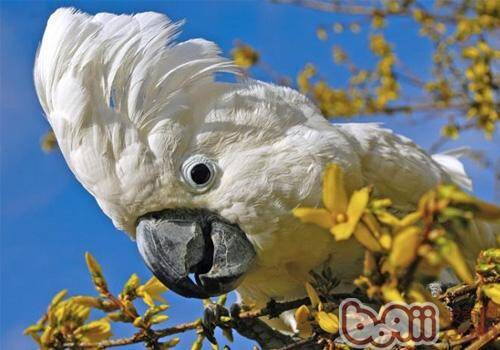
{"points": [[199, 172]]}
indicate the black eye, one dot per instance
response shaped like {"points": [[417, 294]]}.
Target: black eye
{"points": [[198, 173]]}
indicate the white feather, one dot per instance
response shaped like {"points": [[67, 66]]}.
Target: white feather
{"points": [[450, 162]]}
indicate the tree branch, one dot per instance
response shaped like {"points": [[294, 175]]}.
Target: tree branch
{"points": [[487, 337], [138, 337], [352, 9]]}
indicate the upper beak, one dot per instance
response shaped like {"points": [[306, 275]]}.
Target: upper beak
{"points": [[175, 243]]}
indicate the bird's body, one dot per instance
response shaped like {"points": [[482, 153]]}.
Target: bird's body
{"points": [[128, 107]]}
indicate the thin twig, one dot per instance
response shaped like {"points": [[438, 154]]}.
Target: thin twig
{"points": [[442, 140], [446, 345], [301, 344], [273, 309], [423, 107], [139, 337], [454, 293], [352, 9], [487, 337]]}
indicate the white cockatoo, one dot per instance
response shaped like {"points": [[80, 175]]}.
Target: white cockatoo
{"points": [[205, 174]]}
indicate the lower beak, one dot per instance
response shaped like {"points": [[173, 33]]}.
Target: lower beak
{"points": [[177, 243]]}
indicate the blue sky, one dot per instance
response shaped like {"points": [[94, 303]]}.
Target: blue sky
{"points": [[48, 220]]}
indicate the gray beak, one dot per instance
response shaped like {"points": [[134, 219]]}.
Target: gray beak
{"points": [[177, 243]]}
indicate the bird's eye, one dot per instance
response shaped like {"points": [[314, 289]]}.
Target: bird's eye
{"points": [[198, 173]]}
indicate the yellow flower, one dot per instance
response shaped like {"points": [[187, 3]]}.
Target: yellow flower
{"points": [[338, 28], [198, 343], [339, 55], [453, 194], [451, 130], [245, 56], [391, 293], [321, 33], [94, 331], [58, 298], [328, 322], [158, 319], [132, 283], [68, 310], [93, 265], [405, 247], [49, 142], [46, 337], [170, 343], [304, 77], [313, 295], [492, 291], [366, 238], [96, 274], [391, 220], [86, 301], [340, 215], [302, 315], [451, 253], [151, 291]]}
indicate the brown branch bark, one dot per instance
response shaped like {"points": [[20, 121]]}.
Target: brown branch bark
{"points": [[139, 337], [353, 9], [465, 289], [486, 338], [302, 344], [274, 309]]}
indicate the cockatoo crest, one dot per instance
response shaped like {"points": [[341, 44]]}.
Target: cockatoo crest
{"points": [[114, 89]]}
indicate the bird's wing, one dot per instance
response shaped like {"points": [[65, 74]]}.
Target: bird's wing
{"points": [[450, 162], [403, 172], [396, 166]]}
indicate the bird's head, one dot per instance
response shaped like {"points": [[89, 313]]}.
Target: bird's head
{"points": [[198, 172]]}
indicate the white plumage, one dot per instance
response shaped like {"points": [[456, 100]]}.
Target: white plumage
{"points": [[128, 106], [115, 90]]}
